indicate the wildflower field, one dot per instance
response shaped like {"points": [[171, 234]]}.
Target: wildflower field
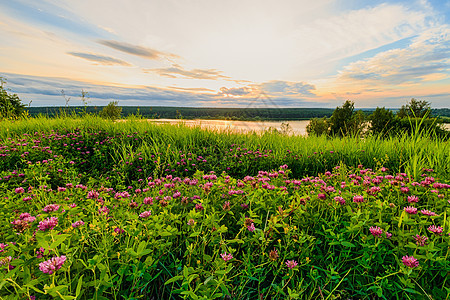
{"points": [[95, 209]]}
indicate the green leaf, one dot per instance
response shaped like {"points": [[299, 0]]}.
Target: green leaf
{"points": [[348, 244], [31, 286], [191, 294], [403, 215], [40, 237], [173, 279], [192, 277], [79, 285], [141, 247], [59, 239]]}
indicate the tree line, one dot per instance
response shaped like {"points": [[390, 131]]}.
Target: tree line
{"points": [[345, 120]]}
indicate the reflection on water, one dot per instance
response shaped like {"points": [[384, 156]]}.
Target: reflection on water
{"points": [[295, 127]]}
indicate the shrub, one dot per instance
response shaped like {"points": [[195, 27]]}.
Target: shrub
{"points": [[10, 104], [345, 120], [415, 109], [111, 111], [382, 121], [318, 126]]}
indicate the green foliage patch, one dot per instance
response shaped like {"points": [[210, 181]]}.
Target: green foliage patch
{"points": [[95, 209]]}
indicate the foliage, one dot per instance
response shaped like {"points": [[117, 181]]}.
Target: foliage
{"points": [[10, 104], [415, 109], [340, 121], [414, 117], [382, 121], [343, 122], [111, 111], [161, 112], [318, 127], [258, 230]]}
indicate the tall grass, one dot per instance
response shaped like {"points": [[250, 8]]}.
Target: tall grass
{"points": [[346, 233], [304, 155]]}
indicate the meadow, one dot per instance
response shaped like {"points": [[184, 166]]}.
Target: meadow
{"points": [[96, 209]]}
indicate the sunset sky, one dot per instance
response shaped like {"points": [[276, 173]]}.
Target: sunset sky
{"points": [[227, 53]]}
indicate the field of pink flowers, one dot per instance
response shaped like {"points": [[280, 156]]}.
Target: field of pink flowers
{"points": [[78, 222]]}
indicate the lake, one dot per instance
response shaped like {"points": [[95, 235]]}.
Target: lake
{"points": [[296, 127]]}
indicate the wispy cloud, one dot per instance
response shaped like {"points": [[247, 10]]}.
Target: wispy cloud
{"points": [[428, 57], [46, 91], [235, 92], [101, 59], [177, 71], [141, 51], [278, 87]]}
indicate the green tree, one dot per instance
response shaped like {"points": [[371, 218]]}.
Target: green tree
{"points": [[10, 104], [318, 126], [342, 122], [415, 109], [382, 121], [357, 123], [111, 111]]}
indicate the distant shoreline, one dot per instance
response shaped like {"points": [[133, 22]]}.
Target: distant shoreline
{"points": [[210, 113]]}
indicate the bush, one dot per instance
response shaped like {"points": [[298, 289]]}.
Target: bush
{"points": [[345, 120], [10, 104], [318, 126], [382, 121], [415, 109], [111, 111]]}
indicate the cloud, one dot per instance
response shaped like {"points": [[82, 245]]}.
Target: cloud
{"points": [[427, 57], [176, 71], [46, 91], [236, 92], [286, 88], [191, 89], [101, 59], [138, 50]]}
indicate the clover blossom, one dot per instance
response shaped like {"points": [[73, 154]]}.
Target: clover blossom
{"points": [[77, 224], [145, 214], [420, 240], [291, 264], [428, 212], [148, 200], [273, 254], [376, 231], [412, 199], [93, 194], [410, 261], [226, 257], [410, 210], [340, 200], [50, 208], [52, 265], [358, 198], [199, 206], [436, 229], [19, 190], [103, 210], [48, 223]]}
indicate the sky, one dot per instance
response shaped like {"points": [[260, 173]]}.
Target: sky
{"points": [[234, 53]]}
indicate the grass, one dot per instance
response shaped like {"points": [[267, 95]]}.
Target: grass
{"points": [[164, 206]]}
